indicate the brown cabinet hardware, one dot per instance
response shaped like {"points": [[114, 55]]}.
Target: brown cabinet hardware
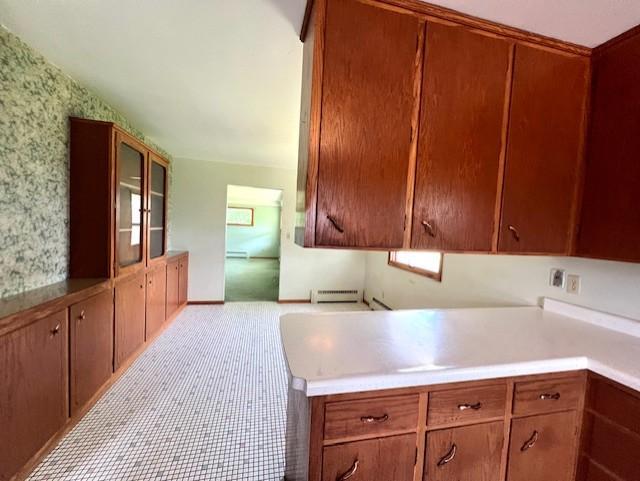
{"points": [[554, 397], [529, 443], [82, 316], [428, 227], [352, 470], [447, 458], [335, 224], [374, 419], [514, 233], [55, 330], [475, 407]]}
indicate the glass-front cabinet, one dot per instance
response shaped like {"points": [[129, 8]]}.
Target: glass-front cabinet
{"points": [[131, 162], [157, 207]]}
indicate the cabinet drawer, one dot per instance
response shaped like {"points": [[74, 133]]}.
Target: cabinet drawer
{"points": [[547, 396], [370, 417], [468, 404]]}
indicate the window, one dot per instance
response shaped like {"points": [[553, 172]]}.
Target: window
{"points": [[240, 216], [427, 264]]}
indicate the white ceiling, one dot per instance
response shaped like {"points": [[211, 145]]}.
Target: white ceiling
{"points": [[220, 79], [243, 195]]}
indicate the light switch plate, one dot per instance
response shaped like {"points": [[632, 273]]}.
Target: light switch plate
{"points": [[573, 284], [557, 278]]}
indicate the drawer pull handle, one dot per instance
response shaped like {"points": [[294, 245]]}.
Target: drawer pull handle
{"points": [[428, 227], [475, 407], [352, 470], [530, 442], [335, 224], [515, 233], [374, 419], [447, 458], [553, 397], [55, 330]]}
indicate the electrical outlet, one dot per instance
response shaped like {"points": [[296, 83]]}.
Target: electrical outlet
{"points": [[573, 284], [557, 278]]}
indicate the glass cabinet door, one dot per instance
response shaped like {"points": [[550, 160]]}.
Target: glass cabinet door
{"points": [[157, 205], [130, 212]]}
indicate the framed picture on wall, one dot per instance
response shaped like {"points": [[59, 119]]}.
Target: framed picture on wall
{"points": [[240, 216]]}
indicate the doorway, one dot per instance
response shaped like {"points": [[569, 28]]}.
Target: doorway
{"points": [[252, 260]]}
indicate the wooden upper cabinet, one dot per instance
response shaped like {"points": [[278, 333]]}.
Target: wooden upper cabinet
{"points": [[610, 221], [545, 151], [118, 199], [34, 389], [463, 118], [369, 105]]}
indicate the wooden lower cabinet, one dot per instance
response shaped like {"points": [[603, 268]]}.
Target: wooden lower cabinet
{"points": [[34, 395], [183, 280], [391, 458], [130, 317], [468, 453], [543, 448], [91, 347], [156, 300], [173, 287]]}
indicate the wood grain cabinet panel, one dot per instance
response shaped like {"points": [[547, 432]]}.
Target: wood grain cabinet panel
{"points": [[371, 417], [466, 405], [183, 281], [470, 453], [91, 353], [545, 152], [463, 116], [173, 287], [543, 448], [369, 110], [129, 317], [156, 300], [391, 458], [610, 222], [34, 401]]}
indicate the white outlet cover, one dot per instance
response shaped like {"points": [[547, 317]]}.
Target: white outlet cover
{"points": [[573, 284]]}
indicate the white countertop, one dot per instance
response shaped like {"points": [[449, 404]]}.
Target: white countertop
{"points": [[331, 353]]}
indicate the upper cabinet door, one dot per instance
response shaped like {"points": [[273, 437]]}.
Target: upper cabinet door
{"points": [[545, 151], [370, 89], [157, 207], [460, 148], [131, 158]]}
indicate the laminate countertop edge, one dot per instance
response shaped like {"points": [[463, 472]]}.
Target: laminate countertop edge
{"points": [[338, 353]]}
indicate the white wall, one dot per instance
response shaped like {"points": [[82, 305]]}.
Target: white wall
{"points": [[487, 280], [198, 210]]}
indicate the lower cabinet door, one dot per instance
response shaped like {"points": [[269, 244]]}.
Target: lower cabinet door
{"points": [[130, 317], [34, 391], [469, 453], [381, 459], [173, 287], [543, 448], [91, 347], [183, 280], [156, 300]]}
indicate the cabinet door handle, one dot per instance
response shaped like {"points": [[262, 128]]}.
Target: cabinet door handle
{"points": [[428, 227], [55, 331], [82, 316], [335, 224], [550, 396], [529, 443], [374, 419], [514, 232], [350, 472], [475, 407], [447, 458]]}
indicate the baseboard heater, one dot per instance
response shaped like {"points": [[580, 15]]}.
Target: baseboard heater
{"points": [[320, 296], [238, 254], [378, 305]]}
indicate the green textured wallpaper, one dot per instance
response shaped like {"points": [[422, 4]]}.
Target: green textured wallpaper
{"points": [[36, 99]]}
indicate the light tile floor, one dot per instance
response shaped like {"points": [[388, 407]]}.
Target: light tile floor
{"points": [[206, 401]]}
